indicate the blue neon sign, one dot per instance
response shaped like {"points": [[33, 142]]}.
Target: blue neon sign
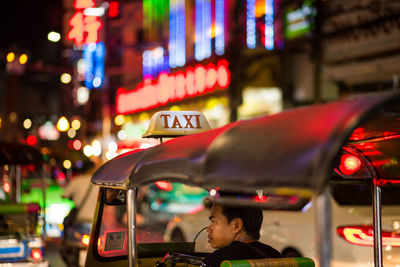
{"points": [[94, 57]]}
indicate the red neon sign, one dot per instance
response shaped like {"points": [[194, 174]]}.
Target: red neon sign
{"points": [[173, 87], [113, 9], [82, 4], [84, 29]]}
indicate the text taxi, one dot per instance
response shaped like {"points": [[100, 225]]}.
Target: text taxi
{"points": [[176, 123]]}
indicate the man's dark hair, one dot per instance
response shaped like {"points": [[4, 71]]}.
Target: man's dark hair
{"points": [[252, 218]]}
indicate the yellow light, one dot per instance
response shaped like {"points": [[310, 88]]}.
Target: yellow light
{"points": [[27, 123], [144, 116], [110, 155], [260, 8], [10, 57], [71, 133], [63, 124], [67, 164], [85, 240], [0, 122], [23, 59], [112, 146], [88, 150], [76, 124], [119, 120], [65, 78], [53, 36], [212, 103], [175, 108], [96, 148], [82, 95], [13, 116]]}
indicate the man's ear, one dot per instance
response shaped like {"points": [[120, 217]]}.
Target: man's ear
{"points": [[237, 225]]}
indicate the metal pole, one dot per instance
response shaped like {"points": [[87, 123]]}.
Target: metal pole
{"points": [[13, 184], [131, 209], [323, 227], [377, 205], [18, 183], [44, 199]]}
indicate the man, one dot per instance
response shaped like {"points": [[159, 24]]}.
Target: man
{"points": [[234, 232]]}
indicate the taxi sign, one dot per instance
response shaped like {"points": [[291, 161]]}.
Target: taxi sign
{"points": [[176, 123]]}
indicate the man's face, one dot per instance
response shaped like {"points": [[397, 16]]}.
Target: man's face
{"points": [[220, 232]]}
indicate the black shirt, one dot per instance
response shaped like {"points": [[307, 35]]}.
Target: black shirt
{"points": [[238, 251]]}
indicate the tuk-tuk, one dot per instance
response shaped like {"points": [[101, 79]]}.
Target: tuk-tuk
{"points": [[21, 224], [295, 154]]}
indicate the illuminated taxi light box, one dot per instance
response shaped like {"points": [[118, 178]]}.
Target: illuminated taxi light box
{"points": [[173, 87], [176, 123]]}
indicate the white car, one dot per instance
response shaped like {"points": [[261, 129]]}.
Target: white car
{"points": [[293, 232]]}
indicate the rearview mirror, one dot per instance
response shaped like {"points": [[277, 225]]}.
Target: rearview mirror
{"points": [[115, 197]]}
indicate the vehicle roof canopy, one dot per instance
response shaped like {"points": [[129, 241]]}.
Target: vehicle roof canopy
{"points": [[294, 149], [14, 153]]}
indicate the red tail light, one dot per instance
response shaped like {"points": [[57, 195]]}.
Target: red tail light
{"points": [[163, 185], [261, 199], [364, 236], [349, 164], [36, 253], [85, 240], [7, 187]]}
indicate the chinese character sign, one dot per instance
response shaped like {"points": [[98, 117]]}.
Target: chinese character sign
{"points": [[84, 28]]}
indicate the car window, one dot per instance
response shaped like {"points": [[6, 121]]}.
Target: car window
{"points": [[357, 194], [157, 204]]}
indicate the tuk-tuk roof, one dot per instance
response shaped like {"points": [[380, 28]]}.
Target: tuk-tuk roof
{"points": [[14, 153], [293, 149]]}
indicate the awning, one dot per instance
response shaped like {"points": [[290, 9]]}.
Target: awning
{"points": [[295, 149], [180, 159]]}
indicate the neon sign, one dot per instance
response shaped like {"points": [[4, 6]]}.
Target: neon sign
{"points": [[298, 21], [251, 24], [203, 28], [256, 30], [84, 28], [269, 25], [219, 27], [173, 87], [177, 47], [94, 56], [154, 62], [113, 9], [210, 26]]}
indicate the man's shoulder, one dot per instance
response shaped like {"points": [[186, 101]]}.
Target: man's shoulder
{"points": [[234, 251], [272, 253], [239, 250], [215, 258]]}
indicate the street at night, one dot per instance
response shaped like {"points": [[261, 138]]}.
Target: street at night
{"points": [[129, 128]]}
